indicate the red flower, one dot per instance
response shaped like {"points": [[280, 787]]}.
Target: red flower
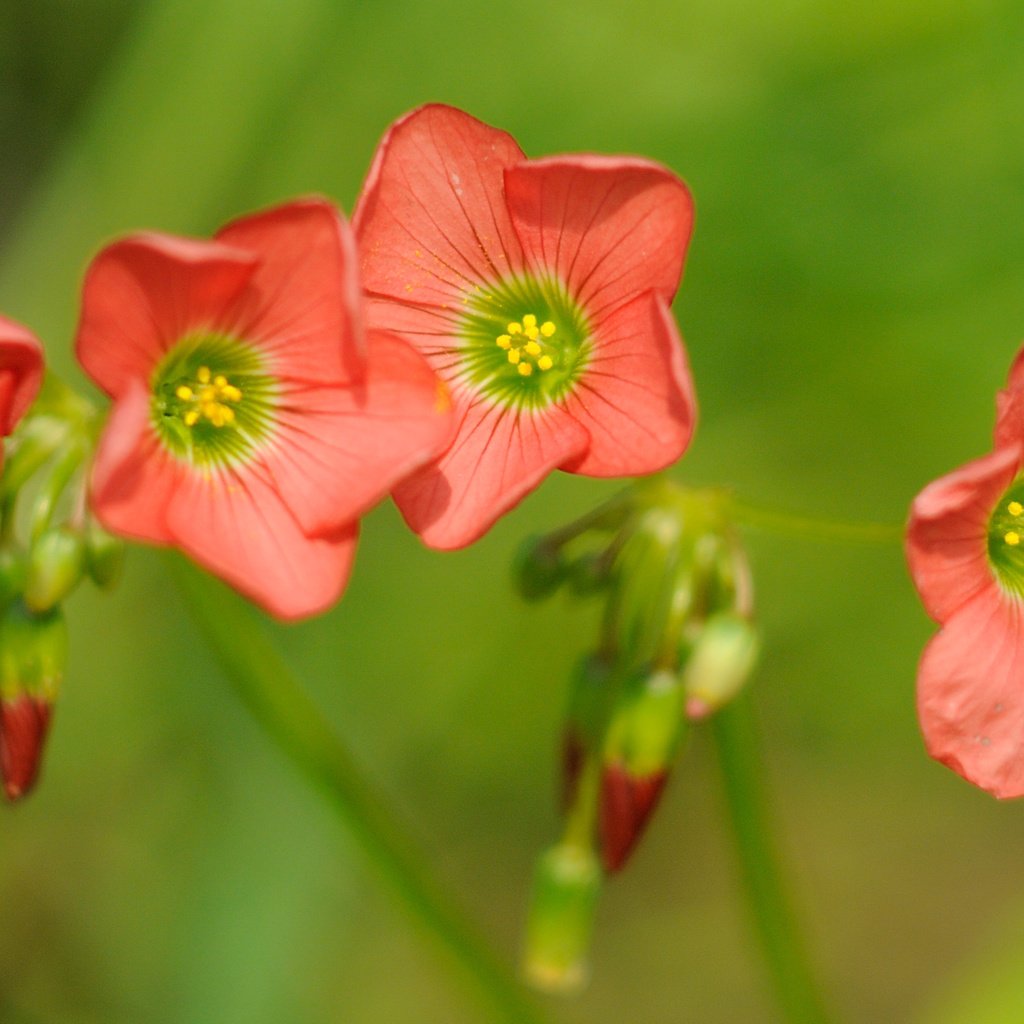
{"points": [[252, 424], [539, 290], [965, 545], [21, 372]]}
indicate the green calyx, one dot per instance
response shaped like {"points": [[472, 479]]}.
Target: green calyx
{"points": [[213, 400], [524, 342], [1006, 539]]}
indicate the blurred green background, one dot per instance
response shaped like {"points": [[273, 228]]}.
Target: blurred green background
{"points": [[853, 297]]}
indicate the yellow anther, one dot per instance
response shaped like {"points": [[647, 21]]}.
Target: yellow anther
{"points": [[231, 393], [191, 418], [525, 369], [1012, 538], [513, 355], [532, 348], [184, 392], [220, 380], [504, 341], [547, 328], [545, 362], [1015, 508], [531, 332], [529, 321], [203, 376], [514, 328]]}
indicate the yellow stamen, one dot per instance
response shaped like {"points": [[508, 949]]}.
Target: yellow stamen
{"points": [[545, 362], [514, 328], [532, 332], [1012, 538], [547, 328], [513, 355], [191, 418], [504, 341], [184, 392], [1015, 508], [203, 376], [529, 321], [525, 369], [532, 348], [231, 393]]}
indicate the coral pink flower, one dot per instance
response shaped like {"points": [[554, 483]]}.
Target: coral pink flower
{"points": [[540, 291], [21, 372], [252, 424], [965, 545]]}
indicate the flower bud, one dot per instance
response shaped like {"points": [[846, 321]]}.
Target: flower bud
{"points": [[55, 566], [644, 735], [539, 568], [719, 663], [33, 655], [561, 917], [104, 555], [589, 694]]}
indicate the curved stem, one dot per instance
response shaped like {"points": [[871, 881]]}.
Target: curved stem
{"points": [[781, 942], [275, 698], [775, 521]]}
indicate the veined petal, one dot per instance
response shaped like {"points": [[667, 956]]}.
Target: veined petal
{"points": [[431, 219], [608, 227], [970, 693], [133, 476], [236, 524], [635, 398], [1010, 406], [21, 372], [946, 535], [302, 308], [144, 293], [499, 455], [339, 451]]}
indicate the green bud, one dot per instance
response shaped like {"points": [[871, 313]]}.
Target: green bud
{"points": [[104, 555], [719, 663], [589, 573], [590, 692], [33, 652], [13, 571], [565, 890], [55, 566], [539, 568]]}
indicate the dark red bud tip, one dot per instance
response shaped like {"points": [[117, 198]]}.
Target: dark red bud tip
{"points": [[627, 802], [24, 723], [572, 765]]}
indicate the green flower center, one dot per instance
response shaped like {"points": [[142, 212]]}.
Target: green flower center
{"points": [[213, 399], [1006, 539], [524, 342]]}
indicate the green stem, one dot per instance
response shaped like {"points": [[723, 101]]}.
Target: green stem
{"points": [[782, 944], [775, 521], [284, 710]]}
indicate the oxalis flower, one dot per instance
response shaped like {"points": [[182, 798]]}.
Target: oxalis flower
{"points": [[539, 290], [21, 373], [252, 423], [965, 545]]}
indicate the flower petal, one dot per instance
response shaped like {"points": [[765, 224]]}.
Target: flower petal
{"points": [[235, 523], [431, 220], [338, 451], [21, 372], [133, 475], [609, 227], [947, 532], [635, 398], [303, 306], [970, 693], [143, 293], [1010, 406], [497, 458]]}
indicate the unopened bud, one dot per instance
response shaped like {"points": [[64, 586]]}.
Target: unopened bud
{"points": [[12, 574], [33, 656], [643, 738], [539, 569], [561, 918], [104, 555], [719, 663], [55, 566]]}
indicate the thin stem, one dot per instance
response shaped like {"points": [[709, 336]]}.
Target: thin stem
{"points": [[775, 521], [275, 698], [781, 942]]}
